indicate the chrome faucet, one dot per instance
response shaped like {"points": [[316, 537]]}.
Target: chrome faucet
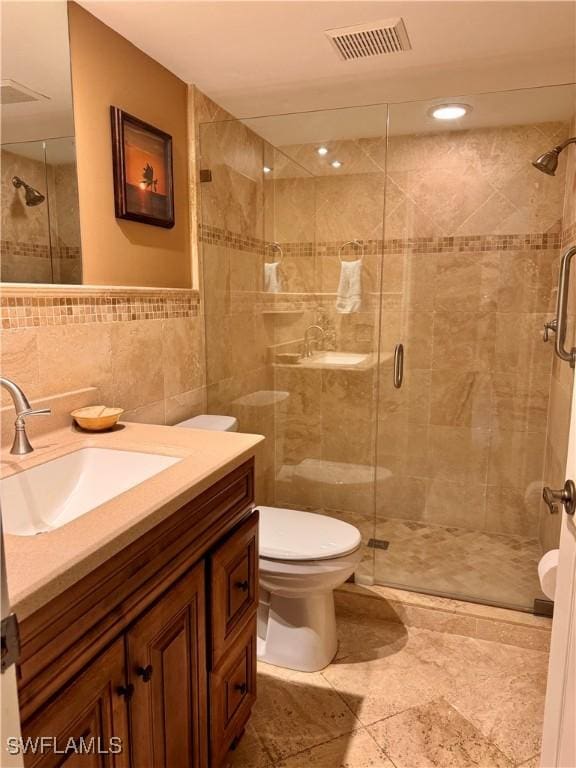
{"points": [[21, 444], [308, 342]]}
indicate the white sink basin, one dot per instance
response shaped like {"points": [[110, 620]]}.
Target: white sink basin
{"points": [[335, 359], [50, 495]]}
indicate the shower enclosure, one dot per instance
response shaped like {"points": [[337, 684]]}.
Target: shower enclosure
{"points": [[440, 462], [40, 220]]}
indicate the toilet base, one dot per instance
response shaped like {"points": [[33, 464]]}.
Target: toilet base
{"points": [[297, 632]]}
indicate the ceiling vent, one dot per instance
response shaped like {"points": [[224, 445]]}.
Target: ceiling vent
{"points": [[12, 92], [373, 39]]}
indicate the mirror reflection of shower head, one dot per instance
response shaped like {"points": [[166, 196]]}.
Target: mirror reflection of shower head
{"points": [[548, 162], [32, 196]]}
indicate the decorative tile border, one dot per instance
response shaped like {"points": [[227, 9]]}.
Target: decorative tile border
{"points": [[15, 249], [374, 247], [224, 237], [30, 307], [475, 243]]}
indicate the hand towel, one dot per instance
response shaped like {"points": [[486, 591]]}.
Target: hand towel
{"points": [[272, 283], [349, 296]]}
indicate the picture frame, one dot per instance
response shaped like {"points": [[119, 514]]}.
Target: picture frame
{"points": [[143, 172]]}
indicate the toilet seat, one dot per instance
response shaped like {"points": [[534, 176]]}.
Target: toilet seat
{"points": [[293, 535]]}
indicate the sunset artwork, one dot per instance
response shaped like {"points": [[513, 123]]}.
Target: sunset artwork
{"points": [[142, 171]]}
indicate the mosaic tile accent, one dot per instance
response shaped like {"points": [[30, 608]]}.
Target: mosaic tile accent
{"points": [[108, 306], [475, 243], [456, 244], [22, 249], [224, 237]]}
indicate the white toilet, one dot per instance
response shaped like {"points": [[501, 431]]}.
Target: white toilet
{"points": [[304, 556]]}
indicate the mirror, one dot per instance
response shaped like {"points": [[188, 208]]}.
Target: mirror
{"points": [[39, 190]]}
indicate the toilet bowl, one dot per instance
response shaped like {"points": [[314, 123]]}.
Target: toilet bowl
{"points": [[303, 557]]}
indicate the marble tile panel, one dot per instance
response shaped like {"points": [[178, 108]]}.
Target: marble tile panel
{"points": [[349, 207], [519, 344], [75, 356], [461, 398], [19, 361], [464, 340], [374, 686], [150, 413], [435, 735], [508, 710], [136, 355], [458, 454], [297, 710], [182, 355], [516, 458], [513, 510], [528, 281], [355, 750], [520, 401], [465, 282]]}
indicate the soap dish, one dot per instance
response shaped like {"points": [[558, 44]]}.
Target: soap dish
{"points": [[96, 418]]}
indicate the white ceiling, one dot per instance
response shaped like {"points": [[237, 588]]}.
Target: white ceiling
{"points": [[36, 54], [259, 58]]}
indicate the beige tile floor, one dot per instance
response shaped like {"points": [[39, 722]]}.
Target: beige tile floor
{"points": [[400, 697]]}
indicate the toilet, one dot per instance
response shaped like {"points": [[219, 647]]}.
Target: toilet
{"points": [[304, 557]]}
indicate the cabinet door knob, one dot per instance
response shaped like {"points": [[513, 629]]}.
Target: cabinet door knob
{"points": [[126, 691], [243, 585], [145, 673], [242, 687]]}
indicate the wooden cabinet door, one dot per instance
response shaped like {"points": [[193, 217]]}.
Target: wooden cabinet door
{"points": [[166, 664], [85, 726], [234, 586]]}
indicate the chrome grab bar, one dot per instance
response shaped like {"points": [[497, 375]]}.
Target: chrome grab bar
{"points": [[398, 365], [562, 309]]}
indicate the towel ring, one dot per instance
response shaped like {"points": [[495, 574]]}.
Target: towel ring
{"points": [[357, 243], [276, 247]]}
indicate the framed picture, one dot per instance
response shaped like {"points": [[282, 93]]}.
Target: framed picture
{"points": [[143, 184]]}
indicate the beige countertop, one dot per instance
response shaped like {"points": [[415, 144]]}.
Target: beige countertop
{"points": [[41, 567]]}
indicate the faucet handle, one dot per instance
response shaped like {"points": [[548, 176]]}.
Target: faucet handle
{"points": [[550, 326], [35, 412]]}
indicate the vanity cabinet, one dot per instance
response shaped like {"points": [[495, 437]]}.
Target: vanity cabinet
{"points": [[157, 647], [88, 711]]}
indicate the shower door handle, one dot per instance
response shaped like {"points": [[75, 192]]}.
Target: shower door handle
{"points": [[562, 309], [398, 365]]}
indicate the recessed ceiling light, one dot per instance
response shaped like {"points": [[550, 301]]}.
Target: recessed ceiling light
{"points": [[336, 164], [449, 111], [266, 169], [322, 151]]}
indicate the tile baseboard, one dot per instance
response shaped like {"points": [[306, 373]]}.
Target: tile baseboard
{"points": [[441, 614]]}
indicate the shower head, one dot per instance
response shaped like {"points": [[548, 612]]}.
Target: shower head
{"points": [[548, 162], [32, 196]]}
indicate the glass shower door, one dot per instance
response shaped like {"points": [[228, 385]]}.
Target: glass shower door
{"points": [[470, 258]]}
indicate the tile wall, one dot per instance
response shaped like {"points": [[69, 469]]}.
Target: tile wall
{"points": [[141, 348], [40, 244], [562, 381]]}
